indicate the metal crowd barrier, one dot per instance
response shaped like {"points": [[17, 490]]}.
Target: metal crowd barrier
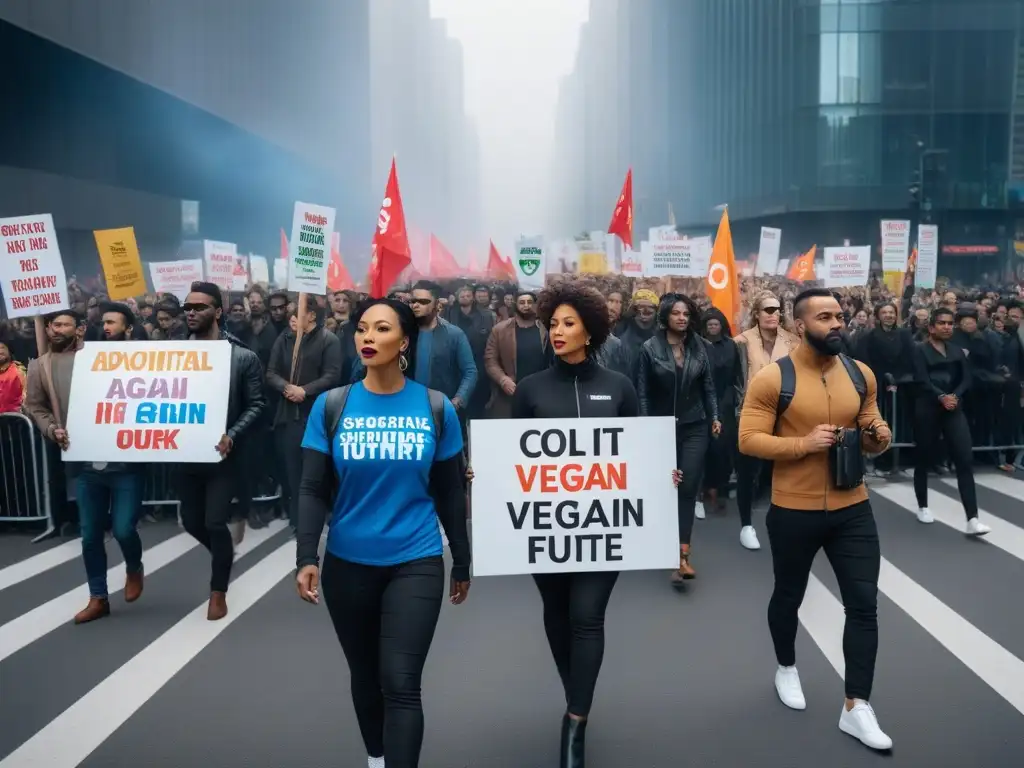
{"points": [[24, 473], [25, 478]]}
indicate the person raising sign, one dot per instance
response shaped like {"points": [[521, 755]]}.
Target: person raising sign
{"points": [[384, 455]]}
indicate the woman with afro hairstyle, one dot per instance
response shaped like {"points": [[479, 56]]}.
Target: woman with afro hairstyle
{"points": [[674, 379], [575, 386]]}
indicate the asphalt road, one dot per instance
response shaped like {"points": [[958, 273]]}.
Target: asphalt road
{"points": [[687, 678]]}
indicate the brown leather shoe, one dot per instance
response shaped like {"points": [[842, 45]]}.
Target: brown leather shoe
{"points": [[684, 563], [133, 587], [97, 608], [218, 607]]}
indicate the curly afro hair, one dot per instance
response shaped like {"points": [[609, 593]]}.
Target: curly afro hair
{"points": [[589, 304]]}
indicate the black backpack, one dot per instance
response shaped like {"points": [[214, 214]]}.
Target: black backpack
{"points": [[338, 396], [788, 389]]}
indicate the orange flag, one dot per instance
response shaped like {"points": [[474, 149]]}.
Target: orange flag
{"points": [[497, 267], [390, 240], [802, 267], [622, 217], [338, 278], [723, 285], [442, 262]]}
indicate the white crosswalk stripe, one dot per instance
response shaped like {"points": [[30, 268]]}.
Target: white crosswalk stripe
{"points": [[915, 613]]}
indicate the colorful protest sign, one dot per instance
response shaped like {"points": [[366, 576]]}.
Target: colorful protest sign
{"points": [[122, 267], [138, 401], [583, 495], [529, 263], [175, 277], [309, 248], [220, 263], [240, 276], [32, 276]]}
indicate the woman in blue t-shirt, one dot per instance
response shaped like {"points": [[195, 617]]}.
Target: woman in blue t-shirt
{"points": [[384, 458]]}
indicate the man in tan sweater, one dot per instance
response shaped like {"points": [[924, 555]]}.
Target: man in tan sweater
{"points": [[808, 512]]}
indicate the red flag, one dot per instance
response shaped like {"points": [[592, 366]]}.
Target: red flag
{"points": [[499, 268], [390, 240], [474, 268], [284, 245], [622, 217], [442, 263], [338, 278]]}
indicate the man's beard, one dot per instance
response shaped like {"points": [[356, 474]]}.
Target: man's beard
{"points": [[829, 345], [425, 320], [528, 317], [123, 336], [60, 343]]}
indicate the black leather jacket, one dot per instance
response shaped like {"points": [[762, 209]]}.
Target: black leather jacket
{"points": [[659, 379], [246, 400]]}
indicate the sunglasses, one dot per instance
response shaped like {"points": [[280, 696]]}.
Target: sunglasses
{"points": [[421, 302], [771, 310], [195, 307]]}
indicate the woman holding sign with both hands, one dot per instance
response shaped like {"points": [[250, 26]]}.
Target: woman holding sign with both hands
{"points": [[576, 386], [383, 457]]}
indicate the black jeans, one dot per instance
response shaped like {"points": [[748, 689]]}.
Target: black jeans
{"points": [[288, 443], [719, 459], [691, 449], [753, 479], [932, 421], [574, 606], [385, 617], [205, 491], [850, 540]]}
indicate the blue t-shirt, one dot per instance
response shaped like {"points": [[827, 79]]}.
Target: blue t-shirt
{"points": [[383, 450]]}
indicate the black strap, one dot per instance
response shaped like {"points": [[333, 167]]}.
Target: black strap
{"points": [[787, 390]]}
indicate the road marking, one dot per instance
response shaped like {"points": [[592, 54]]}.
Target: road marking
{"points": [[949, 511], [1000, 669], [23, 570], [1003, 484], [78, 731], [43, 619], [823, 616]]}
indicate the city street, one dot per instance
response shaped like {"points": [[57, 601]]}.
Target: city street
{"points": [[687, 677]]}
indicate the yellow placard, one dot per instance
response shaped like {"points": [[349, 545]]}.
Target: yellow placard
{"points": [[592, 262], [122, 267], [894, 282]]}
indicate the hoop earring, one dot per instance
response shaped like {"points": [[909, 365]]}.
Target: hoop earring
{"points": [[403, 363]]}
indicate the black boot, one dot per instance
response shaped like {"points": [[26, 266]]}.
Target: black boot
{"points": [[572, 753]]}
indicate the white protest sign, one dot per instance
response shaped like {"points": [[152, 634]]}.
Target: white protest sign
{"points": [[768, 251], [258, 269], [895, 245], [175, 277], [927, 269], [676, 256], [309, 248], [141, 401], [281, 272], [32, 276], [220, 263], [783, 267], [240, 275], [847, 266], [529, 263], [576, 495], [632, 264]]}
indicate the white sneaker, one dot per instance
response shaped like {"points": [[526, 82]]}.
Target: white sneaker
{"points": [[787, 685], [748, 537], [698, 510], [977, 528], [924, 515], [375, 762], [861, 723]]}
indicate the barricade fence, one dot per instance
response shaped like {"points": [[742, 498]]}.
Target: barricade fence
{"points": [[993, 410], [25, 477]]}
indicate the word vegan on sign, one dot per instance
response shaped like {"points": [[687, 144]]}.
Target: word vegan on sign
{"points": [[576, 495], [139, 401]]}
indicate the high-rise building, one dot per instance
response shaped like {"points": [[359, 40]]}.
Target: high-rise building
{"points": [[418, 115], [819, 116], [124, 109]]}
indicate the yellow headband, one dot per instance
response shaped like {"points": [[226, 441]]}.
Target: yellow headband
{"points": [[645, 294]]}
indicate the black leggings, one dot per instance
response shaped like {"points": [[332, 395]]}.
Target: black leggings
{"points": [[691, 450], [385, 617], [205, 491], [850, 540], [932, 421], [753, 479], [574, 606]]}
